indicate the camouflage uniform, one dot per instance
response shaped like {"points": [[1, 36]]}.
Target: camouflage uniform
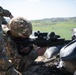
{"points": [[19, 26], [6, 67]]}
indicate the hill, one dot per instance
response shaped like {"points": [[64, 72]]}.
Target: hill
{"points": [[54, 21]]}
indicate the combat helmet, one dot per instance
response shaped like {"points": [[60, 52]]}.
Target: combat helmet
{"points": [[20, 26]]}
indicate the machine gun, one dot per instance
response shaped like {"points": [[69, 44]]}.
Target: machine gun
{"points": [[43, 40]]}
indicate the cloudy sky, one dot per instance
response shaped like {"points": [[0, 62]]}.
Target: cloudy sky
{"points": [[39, 9]]}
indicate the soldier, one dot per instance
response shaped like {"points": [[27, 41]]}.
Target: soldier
{"points": [[6, 67], [21, 56]]}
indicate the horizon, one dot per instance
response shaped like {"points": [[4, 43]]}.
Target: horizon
{"points": [[55, 17], [44, 18]]}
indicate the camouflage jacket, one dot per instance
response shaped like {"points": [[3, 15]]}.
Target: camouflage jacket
{"points": [[20, 62], [6, 67]]}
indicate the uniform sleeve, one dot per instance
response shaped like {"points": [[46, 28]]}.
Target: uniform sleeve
{"points": [[4, 12], [12, 53], [6, 66], [26, 61]]}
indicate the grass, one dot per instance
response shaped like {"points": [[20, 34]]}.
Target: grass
{"points": [[62, 29]]}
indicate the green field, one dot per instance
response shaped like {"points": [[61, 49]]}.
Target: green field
{"points": [[62, 29]]}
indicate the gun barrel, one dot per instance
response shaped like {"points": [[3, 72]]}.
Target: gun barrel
{"points": [[44, 42]]}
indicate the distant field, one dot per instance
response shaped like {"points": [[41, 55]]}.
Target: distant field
{"points": [[62, 29]]}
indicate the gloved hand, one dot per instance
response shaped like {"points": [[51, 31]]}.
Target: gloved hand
{"points": [[6, 13]]}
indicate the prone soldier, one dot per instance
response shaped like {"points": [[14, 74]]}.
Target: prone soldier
{"points": [[21, 56]]}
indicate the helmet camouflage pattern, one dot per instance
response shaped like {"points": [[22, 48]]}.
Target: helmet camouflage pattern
{"points": [[20, 26]]}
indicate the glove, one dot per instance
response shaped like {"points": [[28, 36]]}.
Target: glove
{"points": [[4, 12]]}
